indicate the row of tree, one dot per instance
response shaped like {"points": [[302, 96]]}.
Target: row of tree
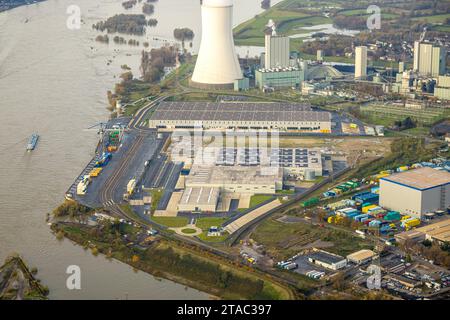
{"points": [[154, 62], [125, 23]]}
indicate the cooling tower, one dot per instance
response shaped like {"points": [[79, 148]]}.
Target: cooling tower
{"points": [[217, 63]]}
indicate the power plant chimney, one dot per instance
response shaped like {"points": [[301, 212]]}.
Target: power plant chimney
{"points": [[217, 64]]}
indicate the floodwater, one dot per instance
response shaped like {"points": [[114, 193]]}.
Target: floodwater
{"points": [[323, 28], [53, 81]]}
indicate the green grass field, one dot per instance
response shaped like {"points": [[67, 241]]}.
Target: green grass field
{"points": [[439, 18], [188, 231], [363, 13], [208, 222], [386, 115], [251, 32], [171, 222], [258, 199]]}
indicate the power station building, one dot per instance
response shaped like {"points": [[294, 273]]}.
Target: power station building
{"points": [[291, 77], [289, 117], [277, 50], [279, 70], [360, 62], [217, 65], [429, 60], [442, 89], [416, 192]]}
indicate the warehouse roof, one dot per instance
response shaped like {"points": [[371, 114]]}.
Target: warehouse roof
{"points": [[439, 230], [326, 257], [238, 111], [200, 196], [202, 175], [361, 255], [420, 179]]}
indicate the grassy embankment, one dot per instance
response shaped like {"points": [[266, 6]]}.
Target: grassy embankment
{"points": [[17, 282], [289, 22], [182, 264]]}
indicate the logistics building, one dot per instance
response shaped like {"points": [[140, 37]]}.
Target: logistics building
{"points": [[439, 231], [416, 192], [240, 116], [295, 161], [362, 256], [236, 179], [327, 260], [199, 199]]}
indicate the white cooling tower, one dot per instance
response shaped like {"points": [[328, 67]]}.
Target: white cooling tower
{"points": [[217, 63]]}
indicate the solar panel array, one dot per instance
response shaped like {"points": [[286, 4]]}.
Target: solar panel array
{"points": [[284, 157], [223, 111]]}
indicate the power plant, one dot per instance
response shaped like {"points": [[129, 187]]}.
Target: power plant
{"points": [[217, 64]]}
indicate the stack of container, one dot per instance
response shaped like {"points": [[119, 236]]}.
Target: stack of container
{"points": [[114, 140], [346, 212], [375, 223], [368, 208], [410, 223], [392, 216], [310, 202], [359, 217], [104, 160], [385, 228]]}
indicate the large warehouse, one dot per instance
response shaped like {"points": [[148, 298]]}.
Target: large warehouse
{"points": [[241, 116], [199, 199], [236, 179], [294, 161], [327, 260], [416, 192]]}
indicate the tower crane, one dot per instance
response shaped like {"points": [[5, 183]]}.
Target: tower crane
{"points": [[102, 128]]}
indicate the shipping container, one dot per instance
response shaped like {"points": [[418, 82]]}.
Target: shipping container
{"points": [[310, 202], [366, 209], [392, 216], [359, 217]]}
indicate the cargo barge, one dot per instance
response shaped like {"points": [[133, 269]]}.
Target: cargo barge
{"points": [[32, 142]]}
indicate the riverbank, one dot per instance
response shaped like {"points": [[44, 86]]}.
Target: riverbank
{"points": [[17, 282], [11, 4], [181, 263]]}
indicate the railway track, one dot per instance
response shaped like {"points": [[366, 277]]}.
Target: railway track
{"points": [[107, 193]]}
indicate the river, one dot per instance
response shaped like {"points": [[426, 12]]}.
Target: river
{"points": [[53, 81]]}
